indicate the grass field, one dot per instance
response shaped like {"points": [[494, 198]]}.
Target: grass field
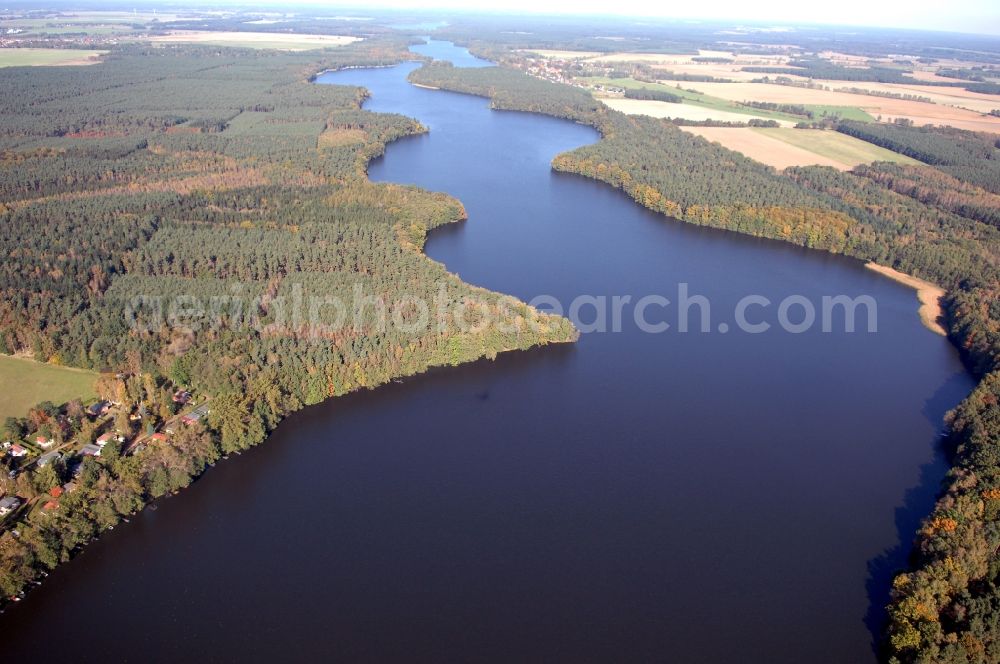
{"points": [[782, 148], [279, 41], [845, 112], [51, 57], [841, 148], [24, 383]]}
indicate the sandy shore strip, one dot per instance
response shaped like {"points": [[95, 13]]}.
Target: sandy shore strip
{"points": [[929, 295]]}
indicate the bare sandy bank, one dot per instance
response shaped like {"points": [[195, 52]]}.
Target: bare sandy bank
{"points": [[929, 295]]}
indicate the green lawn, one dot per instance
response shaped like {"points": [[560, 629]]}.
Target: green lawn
{"points": [[22, 57], [845, 112], [834, 145], [24, 383]]}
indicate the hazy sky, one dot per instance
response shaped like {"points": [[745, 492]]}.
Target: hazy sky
{"points": [[980, 16]]}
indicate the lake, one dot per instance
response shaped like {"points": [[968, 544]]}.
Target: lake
{"points": [[701, 496]]}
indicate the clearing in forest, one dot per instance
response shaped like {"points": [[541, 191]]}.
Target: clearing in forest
{"points": [[51, 57], [24, 383]]}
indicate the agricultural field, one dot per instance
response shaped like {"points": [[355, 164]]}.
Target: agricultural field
{"points": [[47, 57], [686, 111], [722, 107], [889, 109], [45, 26], [760, 147], [841, 148], [948, 96], [24, 383], [672, 63], [782, 148], [284, 42]]}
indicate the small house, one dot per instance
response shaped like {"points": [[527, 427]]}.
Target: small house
{"points": [[106, 438], [17, 451], [181, 397], [46, 459], [99, 408], [90, 450], [9, 504], [195, 415], [159, 437], [44, 442]]}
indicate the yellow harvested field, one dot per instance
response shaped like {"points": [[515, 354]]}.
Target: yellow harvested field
{"points": [[718, 70], [920, 112], [680, 64], [922, 75], [273, 40], [648, 58], [662, 109], [782, 148], [726, 70], [958, 97], [763, 148]]}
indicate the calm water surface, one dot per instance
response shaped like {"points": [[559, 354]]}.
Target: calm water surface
{"points": [[688, 497]]}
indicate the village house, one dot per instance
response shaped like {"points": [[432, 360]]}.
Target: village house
{"points": [[99, 408], [46, 459], [107, 437], [90, 450], [9, 504], [17, 451], [44, 442], [195, 415]]}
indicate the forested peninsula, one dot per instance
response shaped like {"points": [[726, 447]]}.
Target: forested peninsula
{"points": [[179, 174], [913, 219]]}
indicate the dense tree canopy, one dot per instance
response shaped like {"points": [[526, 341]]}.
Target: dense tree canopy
{"points": [[191, 217]]}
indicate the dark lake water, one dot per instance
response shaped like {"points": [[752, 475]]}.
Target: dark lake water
{"points": [[633, 497]]}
